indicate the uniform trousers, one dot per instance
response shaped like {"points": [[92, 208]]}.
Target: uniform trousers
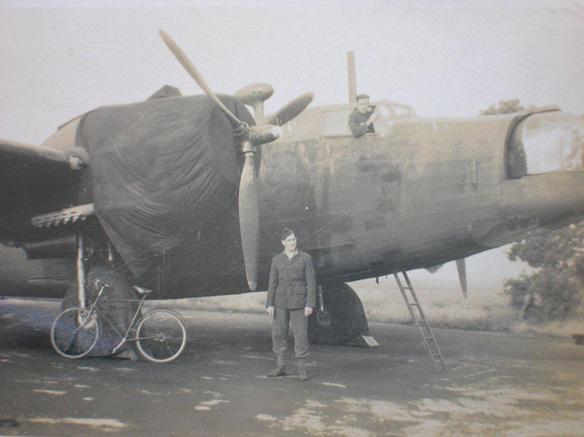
{"points": [[282, 318]]}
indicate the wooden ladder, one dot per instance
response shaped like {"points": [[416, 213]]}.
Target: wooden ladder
{"points": [[411, 300]]}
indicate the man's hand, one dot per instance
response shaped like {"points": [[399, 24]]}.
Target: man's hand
{"points": [[308, 311], [270, 311], [372, 118]]}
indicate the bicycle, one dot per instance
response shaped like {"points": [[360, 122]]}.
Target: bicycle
{"points": [[160, 333]]}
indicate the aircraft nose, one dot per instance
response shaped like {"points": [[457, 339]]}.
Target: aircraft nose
{"points": [[546, 142]]}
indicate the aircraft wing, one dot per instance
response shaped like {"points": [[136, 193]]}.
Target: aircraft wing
{"points": [[30, 174]]}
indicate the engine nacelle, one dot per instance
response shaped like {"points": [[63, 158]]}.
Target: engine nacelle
{"points": [[162, 171]]}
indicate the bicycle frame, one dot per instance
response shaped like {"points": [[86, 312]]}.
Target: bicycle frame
{"points": [[159, 334], [94, 309]]}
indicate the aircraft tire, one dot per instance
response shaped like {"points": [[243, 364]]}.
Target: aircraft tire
{"points": [[346, 317], [120, 313]]}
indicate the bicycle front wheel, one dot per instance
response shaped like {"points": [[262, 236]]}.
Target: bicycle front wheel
{"points": [[161, 335], [75, 332]]}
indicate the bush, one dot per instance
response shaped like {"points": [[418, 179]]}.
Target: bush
{"points": [[554, 290]]}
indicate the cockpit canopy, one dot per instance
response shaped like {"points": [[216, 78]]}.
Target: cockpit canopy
{"points": [[333, 121]]}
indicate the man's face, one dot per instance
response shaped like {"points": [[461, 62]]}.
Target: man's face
{"points": [[363, 105], [290, 243]]}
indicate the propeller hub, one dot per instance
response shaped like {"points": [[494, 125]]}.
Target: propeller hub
{"points": [[264, 134]]}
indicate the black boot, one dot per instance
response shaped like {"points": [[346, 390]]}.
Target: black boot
{"points": [[302, 375]]}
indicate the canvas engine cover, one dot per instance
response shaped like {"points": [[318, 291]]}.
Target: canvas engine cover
{"points": [[160, 170]]}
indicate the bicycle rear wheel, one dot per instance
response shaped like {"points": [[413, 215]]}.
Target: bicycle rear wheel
{"points": [[161, 335], [75, 332]]}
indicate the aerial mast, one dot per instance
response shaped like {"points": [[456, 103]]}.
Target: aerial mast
{"points": [[352, 76]]}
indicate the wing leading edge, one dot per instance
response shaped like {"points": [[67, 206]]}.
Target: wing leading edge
{"points": [[29, 175]]}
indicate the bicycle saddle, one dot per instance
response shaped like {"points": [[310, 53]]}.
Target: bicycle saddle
{"points": [[99, 284], [142, 290]]}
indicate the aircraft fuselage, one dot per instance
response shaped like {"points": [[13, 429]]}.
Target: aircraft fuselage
{"points": [[418, 193], [430, 191]]}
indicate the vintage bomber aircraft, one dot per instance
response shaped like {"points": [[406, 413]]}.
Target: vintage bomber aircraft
{"points": [[147, 193]]}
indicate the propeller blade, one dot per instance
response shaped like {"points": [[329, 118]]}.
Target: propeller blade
{"points": [[461, 267], [192, 70], [291, 110], [249, 219]]}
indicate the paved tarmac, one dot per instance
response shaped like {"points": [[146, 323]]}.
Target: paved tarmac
{"points": [[497, 384]]}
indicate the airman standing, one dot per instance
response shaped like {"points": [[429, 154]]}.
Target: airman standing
{"points": [[291, 300]]}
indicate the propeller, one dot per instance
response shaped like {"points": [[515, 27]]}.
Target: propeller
{"points": [[291, 110], [254, 95], [249, 137], [183, 59], [249, 216]]}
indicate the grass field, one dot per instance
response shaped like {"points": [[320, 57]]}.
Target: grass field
{"points": [[485, 309], [443, 303]]}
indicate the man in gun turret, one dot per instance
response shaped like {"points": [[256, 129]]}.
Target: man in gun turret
{"points": [[362, 118]]}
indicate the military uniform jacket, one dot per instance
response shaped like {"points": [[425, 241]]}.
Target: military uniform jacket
{"points": [[357, 122], [292, 282]]}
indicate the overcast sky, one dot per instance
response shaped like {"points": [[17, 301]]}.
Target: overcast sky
{"points": [[444, 58]]}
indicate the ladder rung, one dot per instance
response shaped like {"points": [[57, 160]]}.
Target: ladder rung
{"points": [[430, 343]]}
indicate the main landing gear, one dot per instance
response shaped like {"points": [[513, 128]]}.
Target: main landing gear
{"points": [[340, 317], [98, 262]]}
